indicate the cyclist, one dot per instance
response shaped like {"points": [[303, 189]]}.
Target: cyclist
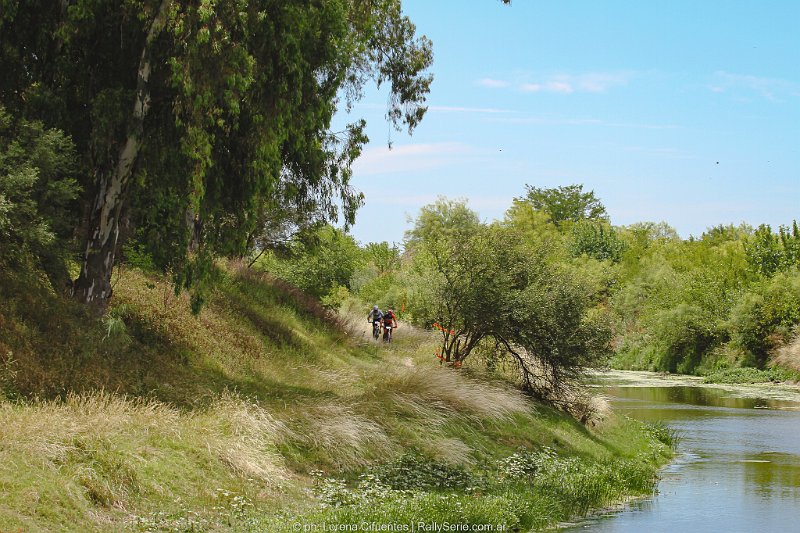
{"points": [[376, 318], [389, 321]]}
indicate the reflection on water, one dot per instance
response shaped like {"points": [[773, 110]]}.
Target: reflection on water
{"points": [[737, 468], [772, 474], [695, 396]]}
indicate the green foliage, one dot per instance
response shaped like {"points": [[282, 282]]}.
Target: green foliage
{"points": [[682, 336], [532, 225], [640, 239], [525, 464], [384, 257], [523, 491], [751, 375], [135, 255], [769, 253], [224, 110], [335, 298], [565, 204], [380, 277], [320, 263], [384, 290], [474, 282], [463, 282], [117, 334], [663, 433], [601, 279], [441, 221], [764, 252], [416, 472], [727, 233], [675, 297], [37, 193], [597, 240], [552, 320], [764, 316]]}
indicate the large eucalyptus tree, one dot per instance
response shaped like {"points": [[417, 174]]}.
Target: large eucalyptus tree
{"points": [[197, 119]]}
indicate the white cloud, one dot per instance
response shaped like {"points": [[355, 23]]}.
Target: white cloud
{"points": [[550, 87], [492, 83], [549, 120], [770, 88], [598, 82], [409, 157], [592, 82], [457, 109], [476, 202], [560, 87], [567, 121]]}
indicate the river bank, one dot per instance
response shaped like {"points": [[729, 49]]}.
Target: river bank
{"points": [[262, 413], [786, 392]]}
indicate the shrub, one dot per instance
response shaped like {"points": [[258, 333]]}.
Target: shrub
{"points": [[763, 317], [318, 264], [663, 433], [416, 472], [682, 334]]}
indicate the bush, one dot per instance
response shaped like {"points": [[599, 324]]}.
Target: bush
{"points": [[663, 433], [682, 334], [384, 290], [318, 264], [415, 472], [763, 318]]}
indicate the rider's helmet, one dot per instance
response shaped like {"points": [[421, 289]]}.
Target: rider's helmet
{"points": [[374, 307]]}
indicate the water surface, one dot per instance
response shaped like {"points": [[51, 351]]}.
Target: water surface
{"points": [[737, 467]]}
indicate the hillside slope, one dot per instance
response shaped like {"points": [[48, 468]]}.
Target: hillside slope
{"points": [[264, 412]]}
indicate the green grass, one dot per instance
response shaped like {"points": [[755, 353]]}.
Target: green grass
{"points": [[256, 412]]}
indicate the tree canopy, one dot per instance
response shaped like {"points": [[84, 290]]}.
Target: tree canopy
{"points": [[38, 189], [441, 220], [480, 284], [195, 123], [565, 204]]}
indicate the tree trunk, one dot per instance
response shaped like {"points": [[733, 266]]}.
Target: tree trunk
{"points": [[93, 285]]}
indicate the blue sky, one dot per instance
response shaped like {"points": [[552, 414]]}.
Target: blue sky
{"points": [[684, 112]]}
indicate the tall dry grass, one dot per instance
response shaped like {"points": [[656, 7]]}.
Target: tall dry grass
{"points": [[451, 391], [789, 354], [90, 431]]}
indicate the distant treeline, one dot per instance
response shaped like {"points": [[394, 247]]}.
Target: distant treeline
{"points": [[640, 296]]}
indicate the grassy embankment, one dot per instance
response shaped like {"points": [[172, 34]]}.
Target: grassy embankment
{"points": [[258, 414]]}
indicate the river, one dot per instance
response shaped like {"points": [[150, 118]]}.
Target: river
{"points": [[737, 466]]}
